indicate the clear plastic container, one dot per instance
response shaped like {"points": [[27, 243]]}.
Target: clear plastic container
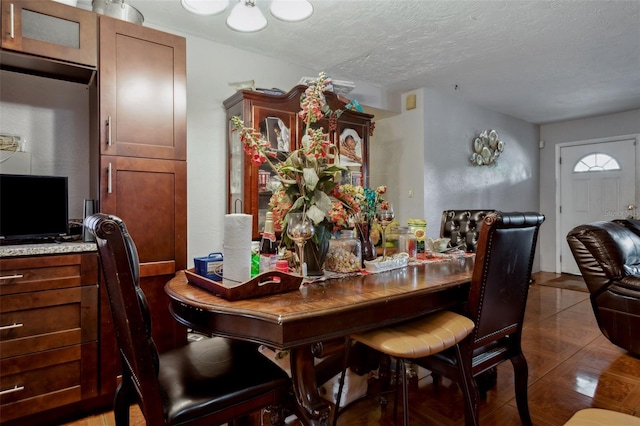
{"points": [[407, 242], [345, 253]]}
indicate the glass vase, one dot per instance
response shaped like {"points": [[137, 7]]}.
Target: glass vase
{"points": [[315, 251], [314, 256], [364, 235]]}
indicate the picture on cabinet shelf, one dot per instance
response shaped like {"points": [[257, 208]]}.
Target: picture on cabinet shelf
{"points": [[356, 178], [277, 134], [350, 148]]}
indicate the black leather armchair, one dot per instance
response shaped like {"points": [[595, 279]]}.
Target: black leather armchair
{"points": [[463, 227], [608, 255]]}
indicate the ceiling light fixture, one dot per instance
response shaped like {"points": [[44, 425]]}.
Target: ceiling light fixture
{"points": [[205, 7], [291, 10], [246, 16]]}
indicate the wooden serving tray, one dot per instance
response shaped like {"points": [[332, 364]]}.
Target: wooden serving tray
{"points": [[272, 282]]}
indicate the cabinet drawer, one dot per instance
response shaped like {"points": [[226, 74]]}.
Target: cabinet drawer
{"points": [[45, 320], [22, 275], [38, 382]]}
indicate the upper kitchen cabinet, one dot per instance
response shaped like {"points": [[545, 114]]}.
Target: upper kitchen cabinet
{"points": [[50, 39], [142, 85], [276, 117]]}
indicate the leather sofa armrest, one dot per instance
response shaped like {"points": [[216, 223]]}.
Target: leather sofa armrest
{"points": [[632, 224], [632, 284]]}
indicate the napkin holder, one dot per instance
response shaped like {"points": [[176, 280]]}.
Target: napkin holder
{"points": [[209, 266], [270, 282]]}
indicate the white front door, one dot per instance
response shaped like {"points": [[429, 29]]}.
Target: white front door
{"points": [[597, 182]]}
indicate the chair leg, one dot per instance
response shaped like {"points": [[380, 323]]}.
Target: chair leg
{"points": [[469, 390], [405, 391], [521, 373], [276, 415], [395, 398], [384, 377], [486, 380], [436, 380], [345, 365], [122, 402]]}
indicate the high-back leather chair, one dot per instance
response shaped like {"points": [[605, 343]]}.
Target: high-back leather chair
{"points": [[496, 304], [208, 382], [608, 255], [462, 227]]}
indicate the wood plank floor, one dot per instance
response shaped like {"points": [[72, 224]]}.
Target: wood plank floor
{"points": [[571, 366]]}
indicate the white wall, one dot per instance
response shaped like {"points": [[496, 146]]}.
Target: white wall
{"points": [[397, 159], [430, 147], [53, 117], [624, 123]]}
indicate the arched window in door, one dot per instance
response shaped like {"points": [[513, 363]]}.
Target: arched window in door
{"points": [[596, 162]]}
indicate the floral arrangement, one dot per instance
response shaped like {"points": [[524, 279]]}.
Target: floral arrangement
{"points": [[364, 201], [307, 176]]}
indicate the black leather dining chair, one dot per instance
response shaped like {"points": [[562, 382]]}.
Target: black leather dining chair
{"points": [[497, 300], [212, 381]]}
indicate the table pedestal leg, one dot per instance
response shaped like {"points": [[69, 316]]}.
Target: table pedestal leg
{"points": [[313, 410]]}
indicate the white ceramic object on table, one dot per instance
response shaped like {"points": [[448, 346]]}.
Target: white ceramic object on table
{"points": [[438, 245], [398, 260]]}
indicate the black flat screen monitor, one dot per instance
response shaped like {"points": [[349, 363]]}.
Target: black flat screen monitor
{"points": [[33, 207]]}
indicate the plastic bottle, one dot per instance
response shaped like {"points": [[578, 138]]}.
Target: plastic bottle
{"points": [[268, 246], [255, 258]]}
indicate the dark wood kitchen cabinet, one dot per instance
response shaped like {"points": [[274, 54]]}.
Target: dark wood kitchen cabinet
{"points": [[48, 333], [142, 155], [150, 196], [137, 104], [50, 38], [142, 92]]}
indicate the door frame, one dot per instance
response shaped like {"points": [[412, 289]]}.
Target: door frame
{"points": [[559, 237]]}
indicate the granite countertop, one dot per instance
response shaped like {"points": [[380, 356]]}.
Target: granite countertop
{"points": [[46, 248]]}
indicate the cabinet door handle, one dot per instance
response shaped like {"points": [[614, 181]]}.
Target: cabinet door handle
{"points": [[10, 326], [109, 130], [11, 277], [16, 388], [109, 179], [12, 23]]}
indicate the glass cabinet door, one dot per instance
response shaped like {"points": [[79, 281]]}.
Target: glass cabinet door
{"points": [[236, 171], [351, 140], [278, 127], [50, 29]]}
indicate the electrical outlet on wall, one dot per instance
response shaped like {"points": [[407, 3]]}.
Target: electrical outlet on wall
{"points": [[410, 194]]}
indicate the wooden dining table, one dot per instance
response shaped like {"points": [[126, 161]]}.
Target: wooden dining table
{"points": [[302, 319]]}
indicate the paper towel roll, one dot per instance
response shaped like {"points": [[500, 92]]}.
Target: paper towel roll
{"points": [[237, 249], [237, 231]]}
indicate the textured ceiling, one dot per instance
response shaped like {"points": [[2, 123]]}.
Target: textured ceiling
{"points": [[541, 60]]}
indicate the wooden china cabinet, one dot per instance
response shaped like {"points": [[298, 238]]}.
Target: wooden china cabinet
{"points": [[249, 187]]}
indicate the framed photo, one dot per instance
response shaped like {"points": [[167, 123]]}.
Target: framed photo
{"points": [[356, 178], [277, 133], [350, 148]]}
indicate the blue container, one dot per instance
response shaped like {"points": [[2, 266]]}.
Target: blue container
{"points": [[209, 266]]}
